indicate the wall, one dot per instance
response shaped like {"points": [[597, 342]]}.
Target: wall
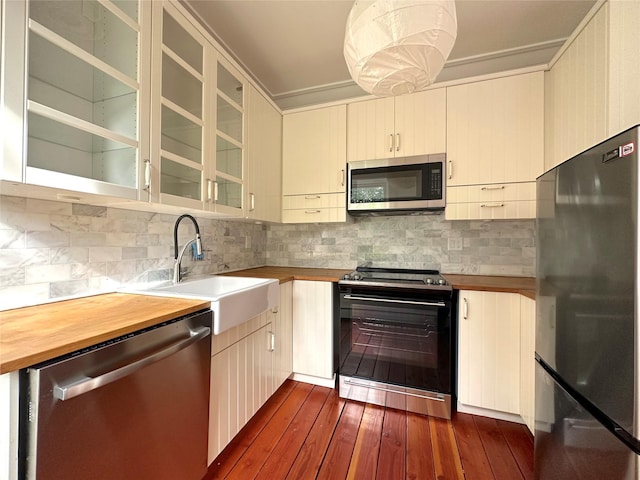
{"points": [[473, 247], [56, 249]]}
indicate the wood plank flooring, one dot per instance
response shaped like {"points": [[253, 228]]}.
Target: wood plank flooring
{"points": [[308, 432]]}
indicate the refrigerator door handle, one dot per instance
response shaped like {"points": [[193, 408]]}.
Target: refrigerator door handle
{"points": [[86, 384]]}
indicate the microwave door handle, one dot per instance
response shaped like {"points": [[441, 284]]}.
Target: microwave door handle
{"points": [[387, 300]]}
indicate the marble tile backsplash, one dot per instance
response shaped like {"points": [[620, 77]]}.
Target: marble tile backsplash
{"points": [[57, 249], [471, 247]]}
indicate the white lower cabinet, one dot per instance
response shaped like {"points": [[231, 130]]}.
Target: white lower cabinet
{"points": [[489, 350], [496, 363], [248, 364], [313, 330]]}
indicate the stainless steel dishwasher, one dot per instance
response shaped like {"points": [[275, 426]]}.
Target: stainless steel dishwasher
{"points": [[134, 408]]}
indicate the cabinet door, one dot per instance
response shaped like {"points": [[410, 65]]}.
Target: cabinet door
{"points": [[420, 123], [264, 153], [314, 151], [283, 331], [229, 178], [576, 94], [495, 130], [527, 361], [489, 350], [313, 328], [85, 115], [370, 129], [180, 113]]}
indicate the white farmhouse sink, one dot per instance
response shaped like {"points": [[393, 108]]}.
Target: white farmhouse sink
{"points": [[234, 300]]}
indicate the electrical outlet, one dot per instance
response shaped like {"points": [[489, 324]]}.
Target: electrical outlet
{"points": [[455, 243], [247, 242]]}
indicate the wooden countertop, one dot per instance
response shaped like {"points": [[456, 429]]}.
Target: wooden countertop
{"points": [[493, 283], [286, 274], [30, 335]]}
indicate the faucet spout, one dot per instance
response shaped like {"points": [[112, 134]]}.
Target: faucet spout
{"points": [[177, 273]]}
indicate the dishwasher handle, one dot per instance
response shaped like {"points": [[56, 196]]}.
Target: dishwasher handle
{"points": [[86, 384]]}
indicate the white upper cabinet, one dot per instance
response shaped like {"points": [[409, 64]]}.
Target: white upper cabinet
{"points": [[85, 115], [227, 185], [495, 130], [264, 153], [495, 147], [576, 94], [314, 165], [180, 113], [397, 126]]}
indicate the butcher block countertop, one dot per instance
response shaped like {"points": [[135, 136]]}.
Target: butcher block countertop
{"points": [[30, 335], [286, 274], [489, 283], [523, 285]]}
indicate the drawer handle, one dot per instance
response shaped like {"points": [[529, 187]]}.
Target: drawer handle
{"points": [[465, 310], [311, 197], [312, 211], [492, 205], [501, 187]]}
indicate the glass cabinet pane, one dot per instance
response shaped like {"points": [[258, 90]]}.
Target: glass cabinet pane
{"points": [[65, 83], [230, 85], [229, 119], [228, 158], [180, 180], [60, 148], [180, 87], [181, 136], [178, 40], [93, 28], [229, 193]]}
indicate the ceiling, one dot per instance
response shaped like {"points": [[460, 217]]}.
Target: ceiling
{"points": [[293, 48]]}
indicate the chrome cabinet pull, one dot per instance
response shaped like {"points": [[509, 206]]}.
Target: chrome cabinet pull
{"points": [[86, 384], [492, 205], [450, 168], [391, 142], [465, 309], [501, 187], [272, 342], [215, 191], [312, 211], [311, 197], [386, 300], [252, 202], [343, 177], [397, 142]]}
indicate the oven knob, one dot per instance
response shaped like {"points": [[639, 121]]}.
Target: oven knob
{"points": [[442, 282], [356, 276], [429, 281]]}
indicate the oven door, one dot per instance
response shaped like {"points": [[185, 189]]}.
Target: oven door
{"points": [[395, 340]]}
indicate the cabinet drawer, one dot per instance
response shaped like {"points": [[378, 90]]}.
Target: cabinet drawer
{"points": [[320, 200], [499, 210], [314, 215], [495, 192]]}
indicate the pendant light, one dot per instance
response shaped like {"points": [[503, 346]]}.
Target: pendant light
{"points": [[393, 47]]}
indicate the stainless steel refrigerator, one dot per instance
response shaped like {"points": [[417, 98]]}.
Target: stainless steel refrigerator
{"points": [[587, 363]]}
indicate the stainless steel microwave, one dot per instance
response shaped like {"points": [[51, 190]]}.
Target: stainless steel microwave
{"points": [[397, 185]]}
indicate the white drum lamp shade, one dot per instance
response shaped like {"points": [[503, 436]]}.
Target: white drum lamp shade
{"points": [[393, 47]]}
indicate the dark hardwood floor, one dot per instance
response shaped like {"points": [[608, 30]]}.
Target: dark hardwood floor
{"points": [[306, 432]]}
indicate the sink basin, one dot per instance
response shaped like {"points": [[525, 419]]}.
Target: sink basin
{"points": [[234, 300]]}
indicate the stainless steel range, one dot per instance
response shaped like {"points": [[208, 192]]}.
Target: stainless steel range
{"points": [[396, 343]]}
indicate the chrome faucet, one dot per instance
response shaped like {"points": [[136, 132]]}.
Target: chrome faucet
{"points": [[177, 272]]}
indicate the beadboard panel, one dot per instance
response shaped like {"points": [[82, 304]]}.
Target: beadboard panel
{"points": [[576, 94], [491, 210], [527, 361], [624, 65], [420, 123], [370, 129], [492, 193], [283, 328]]}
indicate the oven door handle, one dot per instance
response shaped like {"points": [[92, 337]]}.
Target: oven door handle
{"points": [[386, 300]]}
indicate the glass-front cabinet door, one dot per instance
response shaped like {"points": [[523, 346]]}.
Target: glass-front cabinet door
{"points": [[83, 105], [179, 109], [228, 183]]}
